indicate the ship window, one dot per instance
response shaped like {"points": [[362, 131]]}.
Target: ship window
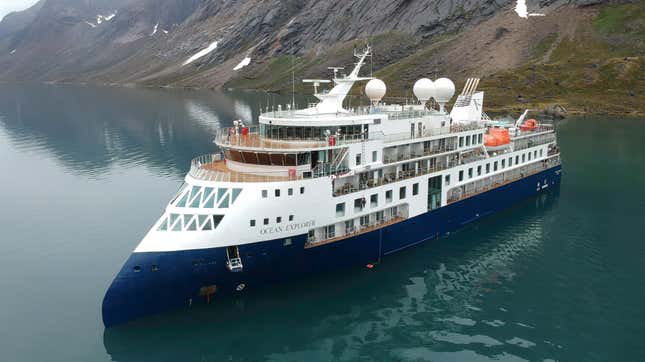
{"points": [[330, 231], [358, 204], [192, 223], [287, 242], [470, 172], [193, 191], [529, 156], [487, 167], [447, 179], [183, 200], [154, 267], [388, 196], [479, 170], [364, 220], [201, 220], [461, 142], [374, 200], [358, 159], [517, 159], [290, 217], [479, 138], [210, 202], [503, 163], [374, 154], [290, 192], [164, 224], [535, 154], [220, 195], [415, 189], [177, 226], [181, 190], [377, 121], [137, 268], [264, 194], [540, 152], [523, 158], [402, 193], [302, 190], [340, 209], [495, 166], [207, 192], [216, 220], [510, 161], [467, 140], [235, 194], [196, 200], [461, 175], [278, 219], [208, 225], [277, 192], [252, 222], [266, 221], [224, 203]]}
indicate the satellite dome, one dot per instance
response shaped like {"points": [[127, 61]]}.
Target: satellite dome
{"points": [[424, 89], [375, 89], [444, 90]]}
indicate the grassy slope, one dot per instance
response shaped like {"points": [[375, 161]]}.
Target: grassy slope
{"points": [[600, 68]]}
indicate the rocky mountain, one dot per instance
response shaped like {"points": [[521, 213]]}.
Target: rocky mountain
{"points": [[252, 43]]}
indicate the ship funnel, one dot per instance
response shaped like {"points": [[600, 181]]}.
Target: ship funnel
{"points": [[375, 90]]}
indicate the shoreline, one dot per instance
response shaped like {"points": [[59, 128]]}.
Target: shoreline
{"points": [[510, 107]]}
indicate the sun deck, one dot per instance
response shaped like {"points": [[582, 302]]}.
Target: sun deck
{"points": [[212, 168]]}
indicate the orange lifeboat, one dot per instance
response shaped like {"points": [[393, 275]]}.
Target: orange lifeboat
{"points": [[529, 125], [497, 138]]}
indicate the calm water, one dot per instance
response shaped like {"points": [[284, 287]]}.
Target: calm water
{"points": [[84, 172]]}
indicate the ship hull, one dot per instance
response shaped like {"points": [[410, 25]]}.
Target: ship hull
{"points": [[181, 279]]}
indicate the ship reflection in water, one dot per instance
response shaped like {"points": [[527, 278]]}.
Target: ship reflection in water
{"points": [[442, 296]]}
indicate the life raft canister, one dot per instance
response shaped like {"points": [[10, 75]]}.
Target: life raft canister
{"points": [[497, 137], [529, 125]]}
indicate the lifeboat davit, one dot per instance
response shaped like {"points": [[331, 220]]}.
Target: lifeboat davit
{"points": [[529, 125], [497, 138]]}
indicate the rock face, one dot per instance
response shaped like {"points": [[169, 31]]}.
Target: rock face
{"points": [[148, 41]]}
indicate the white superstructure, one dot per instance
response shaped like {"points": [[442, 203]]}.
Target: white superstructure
{"points": [[331, 172]]}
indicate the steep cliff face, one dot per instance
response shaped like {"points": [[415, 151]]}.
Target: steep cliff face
{"points": [[251, 43]]}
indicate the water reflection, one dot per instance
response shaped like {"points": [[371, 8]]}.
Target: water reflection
{"points": [[428, 299], [89, 129]]}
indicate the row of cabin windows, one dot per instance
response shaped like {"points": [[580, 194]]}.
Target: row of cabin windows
{"points": [[329, 231], [276, 192], [359, 204], [476, 139], [265, 221], [495, 165]]}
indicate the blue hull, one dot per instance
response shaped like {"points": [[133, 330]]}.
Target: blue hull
{"points": [[181, 274]]}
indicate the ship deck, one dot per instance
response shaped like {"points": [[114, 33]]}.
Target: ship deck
{"points": [[218, 171]]}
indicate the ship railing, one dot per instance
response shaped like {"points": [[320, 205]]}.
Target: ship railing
{"points": [[476, 187], [251, 137], [211, 167], [347, 187], [522, 143], [434, 131]]}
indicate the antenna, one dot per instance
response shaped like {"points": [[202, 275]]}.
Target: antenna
{"points": [[293, 79]]}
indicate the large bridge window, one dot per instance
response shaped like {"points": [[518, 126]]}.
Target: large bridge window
{"points": [[269, 159]]}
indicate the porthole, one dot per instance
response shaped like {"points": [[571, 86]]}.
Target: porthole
{"points": [[154, 267], [137, 268]]}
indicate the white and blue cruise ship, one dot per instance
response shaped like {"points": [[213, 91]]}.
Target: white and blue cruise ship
{"points": [[326, 187]]}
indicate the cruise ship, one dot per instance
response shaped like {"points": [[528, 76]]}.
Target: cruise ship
{"points": [[330, 186]]}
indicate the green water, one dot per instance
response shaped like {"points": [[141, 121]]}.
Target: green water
{"points": [[85, 171]]}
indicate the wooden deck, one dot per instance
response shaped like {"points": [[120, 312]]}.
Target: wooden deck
{"points": [[314, 244], [218, 171]]}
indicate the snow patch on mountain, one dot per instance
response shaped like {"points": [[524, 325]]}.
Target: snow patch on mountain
{"points": [[201, 53]]}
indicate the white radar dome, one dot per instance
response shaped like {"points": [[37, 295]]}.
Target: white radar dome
{"points": [[375, 89], [424, 89], [444, 90]]}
